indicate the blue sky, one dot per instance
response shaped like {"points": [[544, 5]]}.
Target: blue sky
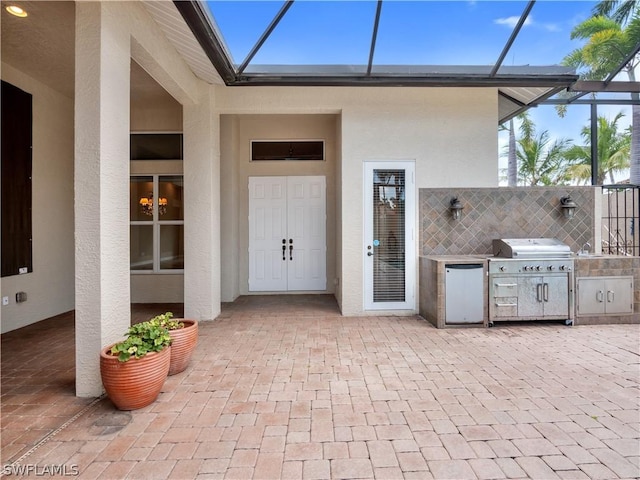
{"points": [[429, 32], [410, 32]]}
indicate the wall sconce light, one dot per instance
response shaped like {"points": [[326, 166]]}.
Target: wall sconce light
{"points": [[568, 207], [146, 204], [455, 206]]}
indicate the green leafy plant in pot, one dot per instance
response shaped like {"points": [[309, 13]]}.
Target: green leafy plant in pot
{"points": [[134, 370], [184, 338]]}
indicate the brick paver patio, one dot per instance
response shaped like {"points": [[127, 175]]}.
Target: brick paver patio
{"points": [[284, 387]]}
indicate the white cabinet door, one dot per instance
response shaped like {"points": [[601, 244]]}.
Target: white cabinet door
{"points": [[287, 234]]}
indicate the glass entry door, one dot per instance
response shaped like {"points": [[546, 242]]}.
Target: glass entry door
{"points": [[389, 249]]}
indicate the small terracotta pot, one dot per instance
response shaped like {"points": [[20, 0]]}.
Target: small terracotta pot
{"points": [[137, 382], [183, 343]]}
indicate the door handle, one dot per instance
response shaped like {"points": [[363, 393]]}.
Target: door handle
{"points": [[291, 249], [600, 296], [369, 251], [610, 296], [545, 291], [284, 250], [538, 294]]}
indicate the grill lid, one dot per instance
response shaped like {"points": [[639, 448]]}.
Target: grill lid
{"points": [[530, 248]]}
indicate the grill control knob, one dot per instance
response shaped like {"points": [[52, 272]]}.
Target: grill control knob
{"points": [[562, 267], [538, 267], [502, 269], [525, 268], [550, 267]]}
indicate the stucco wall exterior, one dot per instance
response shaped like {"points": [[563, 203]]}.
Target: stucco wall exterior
{"points": [[229, 214], [49, 287], [449, 133]]}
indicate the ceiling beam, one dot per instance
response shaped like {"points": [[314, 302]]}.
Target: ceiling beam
{"points": [[559, 82], [533, 103], [618, 101], [600, 87], [511, 99], [615, 72]]}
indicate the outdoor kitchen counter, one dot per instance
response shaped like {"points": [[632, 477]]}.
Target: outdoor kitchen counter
{"points": [[607, 266], [432, 286]]}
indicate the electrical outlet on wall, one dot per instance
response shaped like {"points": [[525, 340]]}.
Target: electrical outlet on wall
{"points": [[5, 300]]}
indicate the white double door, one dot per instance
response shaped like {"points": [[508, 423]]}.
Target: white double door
{"points": [[287, 234]]}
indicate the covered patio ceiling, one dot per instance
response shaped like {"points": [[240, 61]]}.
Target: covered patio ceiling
{"points": [[516, 46]]}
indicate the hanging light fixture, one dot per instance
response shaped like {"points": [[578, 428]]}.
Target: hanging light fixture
{"points": [[146, 205], [568, 207]]}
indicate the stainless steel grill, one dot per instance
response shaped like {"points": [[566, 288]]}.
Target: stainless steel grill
{"points": [[531, 279], [530, 248]]}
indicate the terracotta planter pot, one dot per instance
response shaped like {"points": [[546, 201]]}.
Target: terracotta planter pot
{"points": [[137, 382], [183, 343]]}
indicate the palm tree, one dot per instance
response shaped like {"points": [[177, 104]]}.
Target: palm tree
{"points": [[512, 160], [542, 162], [613, 152], [609, 42], [618, 10]]}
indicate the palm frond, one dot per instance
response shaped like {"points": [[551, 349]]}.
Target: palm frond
{"points": [[593, 25], [618, 10]]}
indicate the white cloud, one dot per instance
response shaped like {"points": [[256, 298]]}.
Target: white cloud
{"points": [[512, 21], [551, 27]]}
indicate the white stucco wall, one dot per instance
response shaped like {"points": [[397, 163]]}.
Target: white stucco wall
{"points": [[229, 212], [450, 133], [108, 35], [49, 287]]}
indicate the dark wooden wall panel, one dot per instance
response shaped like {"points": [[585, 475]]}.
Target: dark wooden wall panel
{"points": [[15, 166]]}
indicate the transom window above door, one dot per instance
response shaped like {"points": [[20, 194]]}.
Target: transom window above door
{"points": [[292, 150]]}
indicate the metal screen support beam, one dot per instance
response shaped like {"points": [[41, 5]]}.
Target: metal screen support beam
{"points": [[611, 76], [265, 35], [512, 38], [374, 36], [594, 144]]}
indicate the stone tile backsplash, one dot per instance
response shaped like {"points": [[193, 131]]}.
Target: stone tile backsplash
{"points": [[503, 212]]}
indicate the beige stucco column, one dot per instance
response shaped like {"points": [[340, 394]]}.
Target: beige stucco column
{"points": [[202, 207], [102, 292]]}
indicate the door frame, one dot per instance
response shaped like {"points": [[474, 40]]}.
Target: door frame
{"points": [[295, 226], [410, 235]]}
